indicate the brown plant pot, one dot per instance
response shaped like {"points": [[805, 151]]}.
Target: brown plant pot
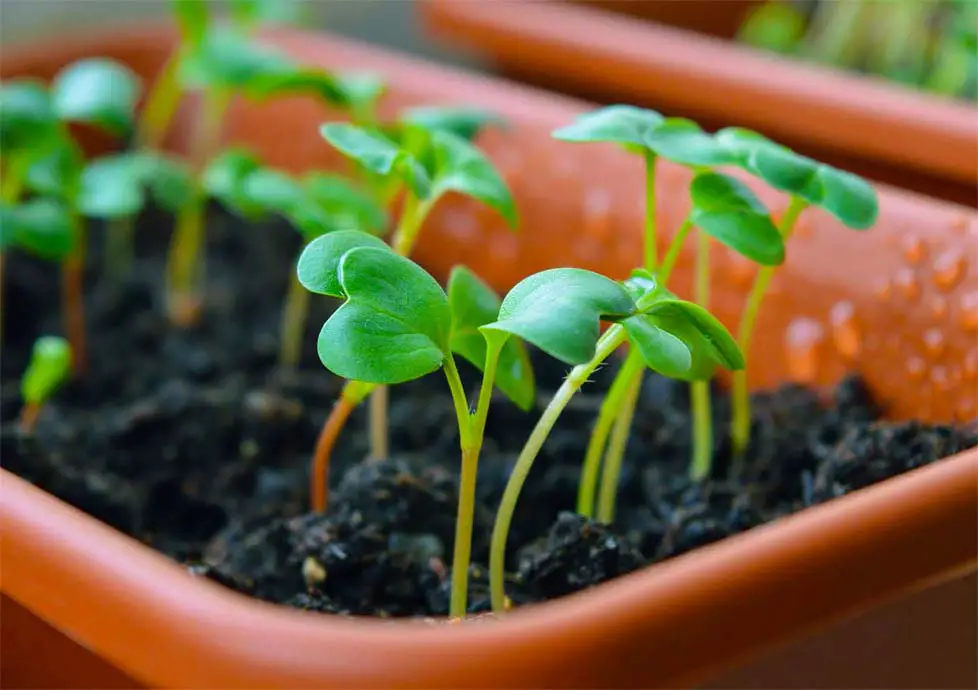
{"points": [[887, 133], [815, 598]]}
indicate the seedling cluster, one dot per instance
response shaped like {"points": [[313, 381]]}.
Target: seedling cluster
{"points": [[396, 323]]}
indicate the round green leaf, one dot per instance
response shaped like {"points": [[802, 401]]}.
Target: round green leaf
{"points": [[683, 141], [224, 176], [320, 259], [169, 181], [97, 91], [27, 117], [787, 171], [560, 311], [463, 122], [272, 191], [49, 366], [672, 314], [848, 197], [661, 350], [395, 324], [742, 143], [726, 209], [626, 125], [377, 154], [228, 59], [349, 207], [474, 304], [112, 187], [41, 226], [461, 167]]}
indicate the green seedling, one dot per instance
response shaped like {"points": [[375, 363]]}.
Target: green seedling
{"points": [[39, 152], [722, 209], [559, 311], [848, 197], [397, 324], [424, 165], [49, 367], [315, 204]]}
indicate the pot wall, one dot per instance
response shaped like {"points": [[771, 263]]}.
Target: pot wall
{"points": [[581, 206]]}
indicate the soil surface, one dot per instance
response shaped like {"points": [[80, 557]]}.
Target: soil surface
{"points": [[196, 443]]}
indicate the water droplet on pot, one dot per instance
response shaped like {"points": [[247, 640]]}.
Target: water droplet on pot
{"points": [[916, 368], [802, 339], [966, 408], [939, 307], [597, 213], [948, 269], [883, 290], [845, 329], [970, 366], [969, 311], [938, 376], [906, 282], [914, 250], [934, 342]]}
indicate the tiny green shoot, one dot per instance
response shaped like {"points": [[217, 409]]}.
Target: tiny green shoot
{"points": [[49, 367]]}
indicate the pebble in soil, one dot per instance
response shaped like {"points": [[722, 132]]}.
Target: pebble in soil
{"points": [[195, 443]]}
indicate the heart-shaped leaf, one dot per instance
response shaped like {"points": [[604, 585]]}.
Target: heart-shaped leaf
{"points": [[742, 143], [56, 172], [848, 197], [97, 91], [683, 141], [27, 117], [378, 154], [461, 167], [463, 122], [560, 310], [787, 171], [674, 315], [228, 59], [112, 187], [319, 261], [350, 207], [49, 366], [169, 181], [41, 226], [626, 125], [661, 350], [395, 324], [726, 209], [474, 304], [223, 177]]}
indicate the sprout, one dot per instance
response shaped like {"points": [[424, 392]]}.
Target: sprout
{"points": [[50, 365], [423, 165], [808, 183], [397, 324]]}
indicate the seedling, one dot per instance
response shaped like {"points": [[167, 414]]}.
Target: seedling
{"points": [[34, 132], [721, 208], [808, 183], [424, 165], [50, 365], [313, 205], [397, 324], [559, 311]]}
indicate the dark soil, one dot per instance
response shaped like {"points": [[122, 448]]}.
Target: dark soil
{"points": [[195, 443]]}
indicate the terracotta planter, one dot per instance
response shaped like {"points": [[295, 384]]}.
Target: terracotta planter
{"points": [[894, 554], [885, 132]]}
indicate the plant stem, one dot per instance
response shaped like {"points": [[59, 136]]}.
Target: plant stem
{"points": [[185, 264], [118, 247], [161, 104], [702, 414], [675, 247], [72, 293], [353, 393], [28, 417], [616, 450], [650, 238], [740, 424], [293, 323], [379, 431], [607, 344], [611, 407], [11, 186]]}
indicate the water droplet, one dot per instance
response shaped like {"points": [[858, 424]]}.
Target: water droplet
{"points": [[966, 408], [883, 290], [948, 269], [916, 368], [845, 329], [906, 281], [914, 250], [938, 376], [970, 366], [802, 339], [934, 342], [939, 307], [969, 311]]}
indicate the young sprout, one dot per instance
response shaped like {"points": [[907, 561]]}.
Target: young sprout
{"points": [[50, 365], [38, 150], [424, 165], [808, 183], [559, 311], [744, 227], [397, 324], [314, 205]]}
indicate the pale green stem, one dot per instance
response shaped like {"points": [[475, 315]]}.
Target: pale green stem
{"points": [[161, 104], [607, 344], [675, 248], [740, 424], [611, 406], [293, 326], [699, 468], [616, 450], [650, 238]]}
